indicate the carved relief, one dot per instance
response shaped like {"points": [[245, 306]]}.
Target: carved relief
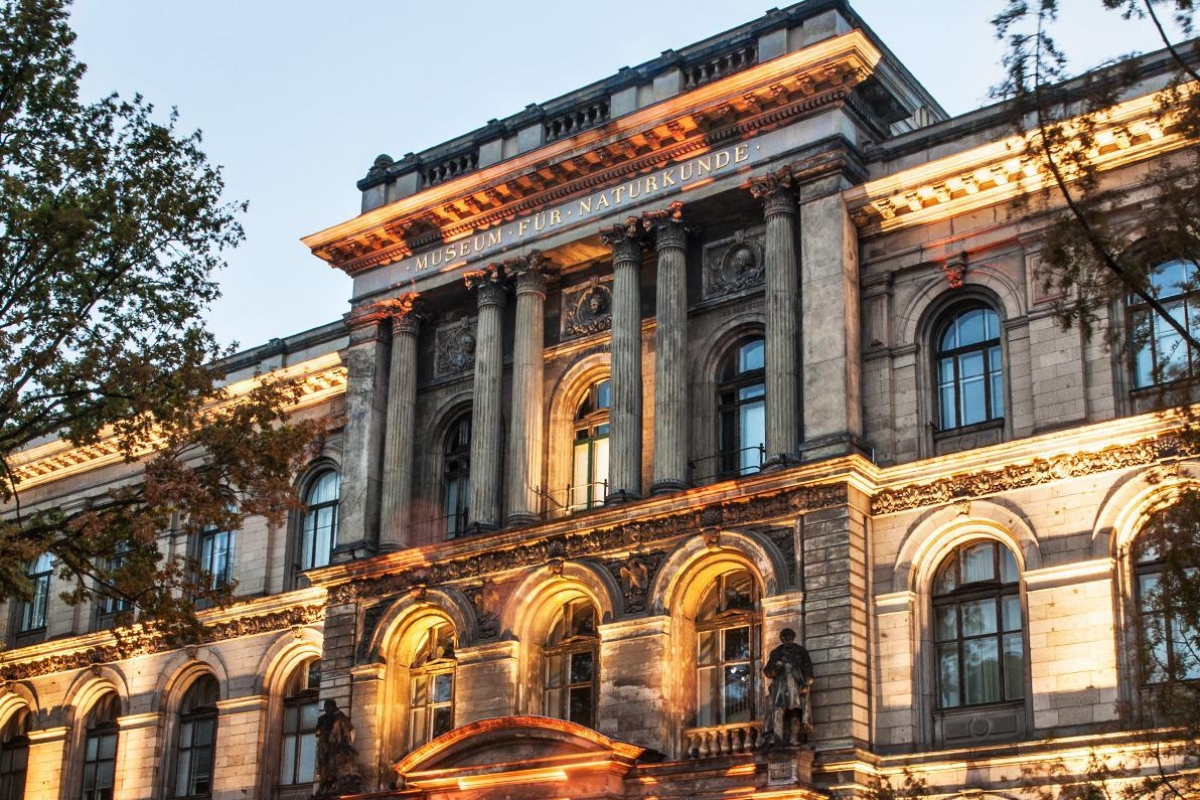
{"points": [[485, 598], [587, 309], [370, 623], [455, 348], [635, 575], [734, 264]]}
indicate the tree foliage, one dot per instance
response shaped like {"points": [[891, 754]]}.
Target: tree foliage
{"points": [[112, 226]]}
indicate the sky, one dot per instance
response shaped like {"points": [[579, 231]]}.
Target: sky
{"points": [[295, 98]]}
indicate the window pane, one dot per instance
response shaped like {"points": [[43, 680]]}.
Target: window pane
{"points": [[554, 671], [1155, 644], [997, 379], [1143, 359], [1008, 566], [552, 703], [600, 469], [580, 706], [1014, 667], [108, 745], [972, 400], [308, 716], [978, 617], [581, 667], [287, 761], [946, 623], [751, 356], [1011, 612], [419, 689], [947, 579], [946, 400], [737, 644], [443, 687], [738, 700], [308, 758], [971, 327], [753, 424], [183, 769], [708, 697], [1183, 650], [981, 671], [948, 683], [706, 651], [580, 476], [978, 563], [1148, 591], [443, 720]]}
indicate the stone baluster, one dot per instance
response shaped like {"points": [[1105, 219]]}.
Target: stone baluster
{"points": [[783, 299], [525, 427], [670, 350], [400, 430], [625, 380], [487, 418]]}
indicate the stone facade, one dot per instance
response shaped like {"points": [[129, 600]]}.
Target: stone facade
{"points": [[601, 441]]}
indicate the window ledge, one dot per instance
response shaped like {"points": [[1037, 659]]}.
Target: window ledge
{"points": [[996, 722]]}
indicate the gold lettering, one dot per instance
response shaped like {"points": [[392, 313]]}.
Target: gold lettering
{"points": [[704, 165], [585, 206], [422, 262], [522, 226], [740, 153], [479, 242], [724, 154], [436, 257], [496, 237], [539, 221], [651, 183], [617, 194], [685, 171], [635, 185], [667, 179], [602, 201], [556, 216]]}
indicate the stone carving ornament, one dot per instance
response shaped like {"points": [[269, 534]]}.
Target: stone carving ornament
{"points": [[588, 310], [734, 265], [455, 348]]}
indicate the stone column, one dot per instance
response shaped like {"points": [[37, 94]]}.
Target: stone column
{"points": [[625, 380], [525, 427], [366, 407], [783, 296], [670, 350], [401, 425], [487, 418]]}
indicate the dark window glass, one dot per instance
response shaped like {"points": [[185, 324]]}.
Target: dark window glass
{"points": [[728, 641], [1169, 645], [319, 535], [741, 406], [111, 605], [32, 612], [571, 657], [977, 627], [456, 476], [215, 556], [298, 755], [970, 375], [100, 749], [589, 459], [14, 756], [1160, 354], [197, 739], [431, 686]]}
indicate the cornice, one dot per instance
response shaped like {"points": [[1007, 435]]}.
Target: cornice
{"points": [[1000, 171], [749, 101], [323, 378]]}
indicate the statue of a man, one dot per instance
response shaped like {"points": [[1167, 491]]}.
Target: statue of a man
{"points": [[337, 760], [790, 671]]}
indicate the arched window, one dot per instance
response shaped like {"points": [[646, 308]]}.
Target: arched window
{"points": [[100, 749], [977, 624], [970, 375], [14, 755], [1160, 353], [728, 651], [298, 756], [589, 468], [197, 739], [319, 535], [31, 616], [572, 664], [431, 682], [741, 405], [1168, 644], [456, 476]]}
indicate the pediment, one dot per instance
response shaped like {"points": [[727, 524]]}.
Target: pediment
{"points": [[513, 750]]}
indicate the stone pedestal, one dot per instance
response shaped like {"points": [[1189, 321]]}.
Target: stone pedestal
{"points": [[789, 766], [487, 416], [525, 427], [783, 305], [401, 425], [670, 351], [625, 382]]}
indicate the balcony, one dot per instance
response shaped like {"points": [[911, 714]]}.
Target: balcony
{"points": [[721, 740]]}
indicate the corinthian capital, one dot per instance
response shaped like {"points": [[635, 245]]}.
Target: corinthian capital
{"points": [[776, 190], [489, 284], [531, 272], [625, 239], [406, 312], [668, 227]]}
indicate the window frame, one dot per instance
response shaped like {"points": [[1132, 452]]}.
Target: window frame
{"points": [[456, 471], [108, 606], [1136, 308], [946, 319], [28, 610], [308, 549], [100, 731], [1145, 567], [995, 589], [723, 620], [14, 754], [429, 666], [203, 561], [572, 644], [594, 425], [299, 692], [731, 382], [191, 716]]}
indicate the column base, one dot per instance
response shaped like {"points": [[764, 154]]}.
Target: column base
{"points": [[521, 520], [667, 487], [780, 461], [352, 551], [620, 496], [477, 529]]}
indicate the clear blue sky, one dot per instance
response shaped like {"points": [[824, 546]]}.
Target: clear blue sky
{"points": [[296, 98]]}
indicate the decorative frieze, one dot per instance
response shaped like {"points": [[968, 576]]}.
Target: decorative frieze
{"points": [[588, 543], [587, 309], [734, 264], [634, 575], [130, 643], [454, 348]]}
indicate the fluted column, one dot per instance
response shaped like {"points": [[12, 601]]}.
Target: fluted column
{"points": [[670, 350], [487, 418], [625, 382], [783, 295], [525, 426], [400, 437]]}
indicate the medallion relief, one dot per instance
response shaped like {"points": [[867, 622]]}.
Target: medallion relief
{"points": [[587, 308], [734, 264], [455, 346]]}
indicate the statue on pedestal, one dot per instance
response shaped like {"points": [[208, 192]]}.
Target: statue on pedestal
{"points": [[790, 671], [337, 760]]}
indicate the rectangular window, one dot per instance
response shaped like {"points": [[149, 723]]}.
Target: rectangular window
{"points": [[33, 611], [216, 557]]}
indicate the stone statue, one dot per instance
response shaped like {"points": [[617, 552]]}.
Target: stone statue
{"points": [[337, 760], [790, 671]]}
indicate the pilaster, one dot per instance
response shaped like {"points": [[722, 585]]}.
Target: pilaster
{"points": [[137, 750], [44, 776], [633, 702], [241, 735], [486, 681]]}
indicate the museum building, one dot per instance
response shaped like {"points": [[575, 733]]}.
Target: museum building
{"points": [[745, 339]]}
